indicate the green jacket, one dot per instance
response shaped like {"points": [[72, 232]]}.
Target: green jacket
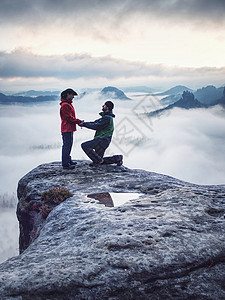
{"points": [[104, 126]]}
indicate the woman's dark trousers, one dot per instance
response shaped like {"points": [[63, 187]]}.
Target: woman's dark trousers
{"points": [[67, 138]]}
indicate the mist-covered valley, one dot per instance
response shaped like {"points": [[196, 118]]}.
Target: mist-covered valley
{"points": [[186, 144]]}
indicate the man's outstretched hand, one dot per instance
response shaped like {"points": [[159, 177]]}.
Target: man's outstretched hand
{"points": [[81, 123]]}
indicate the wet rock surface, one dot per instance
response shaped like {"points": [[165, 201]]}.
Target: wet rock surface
{"points": [[167, 244]]}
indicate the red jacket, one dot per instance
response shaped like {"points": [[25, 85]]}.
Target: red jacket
{"points": [[68, 117]]}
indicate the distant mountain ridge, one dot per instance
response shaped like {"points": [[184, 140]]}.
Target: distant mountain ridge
{"points": [[208, 95], [189, 101], [138, 89], [34, 93], [221, 101], [32, 96], [203, 97], [175, 90], [25, 100]]}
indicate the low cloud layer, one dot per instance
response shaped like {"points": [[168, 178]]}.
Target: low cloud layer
{"points": [[24, 64], [187, 144]]}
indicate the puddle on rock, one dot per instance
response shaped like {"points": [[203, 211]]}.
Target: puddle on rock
{"points": [[114, 199]]}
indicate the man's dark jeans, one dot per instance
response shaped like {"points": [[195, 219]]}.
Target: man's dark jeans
{"points": [[95, 150], [66, 148]]}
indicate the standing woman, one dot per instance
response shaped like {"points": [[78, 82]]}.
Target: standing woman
{"points": [[68, 126]]}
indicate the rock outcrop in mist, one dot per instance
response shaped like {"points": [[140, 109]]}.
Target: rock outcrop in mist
{"points": [[114, 93], [167, 244], [207, 96], [187, 101]]}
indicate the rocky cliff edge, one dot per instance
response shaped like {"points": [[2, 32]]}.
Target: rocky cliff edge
{"points": [[167, 244]]}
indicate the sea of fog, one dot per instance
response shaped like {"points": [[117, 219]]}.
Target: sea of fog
{"points": [[186, 144]]}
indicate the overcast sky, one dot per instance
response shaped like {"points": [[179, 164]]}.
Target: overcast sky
{"points": [[47, 44]]}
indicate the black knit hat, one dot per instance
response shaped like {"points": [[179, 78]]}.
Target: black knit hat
{"points": [[110, 105], [68, 91]]}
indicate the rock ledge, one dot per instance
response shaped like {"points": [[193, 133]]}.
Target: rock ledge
{"points": [[167, 244]]}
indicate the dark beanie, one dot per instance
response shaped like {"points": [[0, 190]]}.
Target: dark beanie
{"points": [[68, 91], [110, 105]]}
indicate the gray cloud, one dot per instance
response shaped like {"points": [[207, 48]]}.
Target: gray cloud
{"points": [[94, 11], [21, 63]]}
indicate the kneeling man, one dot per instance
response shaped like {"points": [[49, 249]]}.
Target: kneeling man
{"points": [[104, 127]]}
